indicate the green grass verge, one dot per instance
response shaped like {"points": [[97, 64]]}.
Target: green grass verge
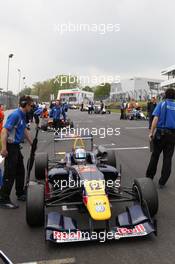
{"points": [[115, 110]]}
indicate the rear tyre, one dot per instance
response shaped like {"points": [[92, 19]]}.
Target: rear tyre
{"points": [[35, 211], [146, 190], [41, 165]]}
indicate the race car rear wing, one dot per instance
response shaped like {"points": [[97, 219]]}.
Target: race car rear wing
{"points": [[77, 140]]}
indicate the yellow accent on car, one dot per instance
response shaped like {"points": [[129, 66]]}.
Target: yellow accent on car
{"points": [[78, 142], [97, 203]]}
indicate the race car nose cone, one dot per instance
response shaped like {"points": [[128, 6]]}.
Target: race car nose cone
{"points": [[99, 207]]}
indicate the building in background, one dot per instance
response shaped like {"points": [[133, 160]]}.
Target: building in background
{"points": [[75, 96], [139, 88], [170, 73]]}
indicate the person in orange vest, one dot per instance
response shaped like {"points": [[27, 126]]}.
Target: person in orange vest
{"points": [[1, 117], [45, 113]]}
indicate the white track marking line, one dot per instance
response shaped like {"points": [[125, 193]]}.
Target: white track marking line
{"points": [[111, 144], [129, 148], [83, 121], [136, 127], [104, 145], [55, 261]]}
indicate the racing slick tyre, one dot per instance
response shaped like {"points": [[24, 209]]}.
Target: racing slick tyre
{"points": [[35, 214], [41, 165], [146, 191], [111, 158]]}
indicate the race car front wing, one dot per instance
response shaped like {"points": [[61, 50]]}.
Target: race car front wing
{"points": [[132, 223]]}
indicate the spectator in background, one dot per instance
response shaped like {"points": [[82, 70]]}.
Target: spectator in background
{"points": [[92, 106], [101, 106], [123, 107], [82, 106], [151, 105]]}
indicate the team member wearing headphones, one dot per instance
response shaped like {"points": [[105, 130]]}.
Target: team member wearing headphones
{"points": [[12, 134]]}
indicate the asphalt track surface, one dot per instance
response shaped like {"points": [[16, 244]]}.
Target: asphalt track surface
{"points": [[24, 244]]}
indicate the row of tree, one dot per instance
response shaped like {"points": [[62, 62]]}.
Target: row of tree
{"points": [[44, 89]]}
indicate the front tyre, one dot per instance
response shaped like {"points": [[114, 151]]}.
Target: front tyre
{"points": [[35, 209], [146, 191], [41, 165]]}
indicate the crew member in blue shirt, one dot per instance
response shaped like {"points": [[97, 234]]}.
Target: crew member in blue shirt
{"points": [[164, 137], [36, 113], [56, 114], [38, 110], [65, 108], [12, 135]]}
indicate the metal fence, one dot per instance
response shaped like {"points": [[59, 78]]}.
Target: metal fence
{"points": [[8, 101]]}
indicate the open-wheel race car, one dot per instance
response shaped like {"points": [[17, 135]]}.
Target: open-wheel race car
{"points": [[136, 115], [90, 181], [48, 125], [105, 110]]}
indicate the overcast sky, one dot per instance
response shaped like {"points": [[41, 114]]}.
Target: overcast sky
{"points": [[144, 45]]}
